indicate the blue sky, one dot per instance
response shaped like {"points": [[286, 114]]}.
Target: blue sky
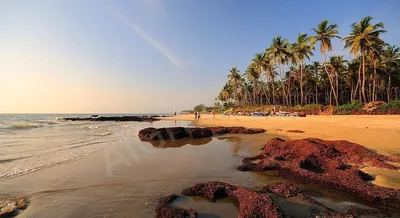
{"points": [[98, 56]]}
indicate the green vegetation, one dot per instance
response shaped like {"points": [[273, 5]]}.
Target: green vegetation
{"points": [[284, 75], [354, 107], [392, 105]]}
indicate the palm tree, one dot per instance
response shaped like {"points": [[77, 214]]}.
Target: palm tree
{"points": [[235, 81], [270, 73], [362, 38], [324, 34], [302, 49], [278, 51], [315, 68], [260, 65], [252, 76], [391, 57]]}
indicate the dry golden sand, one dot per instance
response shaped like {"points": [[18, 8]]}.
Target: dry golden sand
{"points": [[379, 133]]}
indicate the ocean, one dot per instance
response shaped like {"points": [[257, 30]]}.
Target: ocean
{"points": [[29, 142]]}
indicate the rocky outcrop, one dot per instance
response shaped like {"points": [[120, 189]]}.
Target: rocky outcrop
{"points": [[251, 203], [234, 130], [165, 211], [11, 206], [295, 131], [116, 118], [174, 133], [330, 164], [258, 203]]}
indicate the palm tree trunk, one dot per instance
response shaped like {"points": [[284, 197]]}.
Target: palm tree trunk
{"points": [[284, 97], [316, 93], [330, 79], [374, 85], [364, 77], [388, 90], [301, 84]]}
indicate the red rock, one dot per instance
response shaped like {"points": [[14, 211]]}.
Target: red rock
{"points": [[283, 189], [295, 131], [251, 203], [163, 210], [327, 164], [173, 133]]}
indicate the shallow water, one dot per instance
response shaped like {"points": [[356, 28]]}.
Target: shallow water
{"points": [[127, 178]]}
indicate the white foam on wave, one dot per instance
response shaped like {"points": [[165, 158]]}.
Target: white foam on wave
{"points": [[24, 126]]}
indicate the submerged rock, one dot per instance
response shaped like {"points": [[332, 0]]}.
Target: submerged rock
{"points": [[192, 132], [296, 131], [11, 206], [234, 130], [163, 210], [258, 203], [251, 203], [330, 164]]}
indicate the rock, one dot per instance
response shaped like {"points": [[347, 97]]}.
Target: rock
{"points": [[196, 133], [327, 164], [234, 130], [192, 133], [116, 118], [11, 206], [163, 210], [283, 189], [163, 133], [251, 203], [295, 131]]}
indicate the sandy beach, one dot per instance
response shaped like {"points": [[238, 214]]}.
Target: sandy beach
{"points": [[380, 133]]}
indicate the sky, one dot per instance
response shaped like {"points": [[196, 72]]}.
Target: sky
{"points": [[149, 56]]}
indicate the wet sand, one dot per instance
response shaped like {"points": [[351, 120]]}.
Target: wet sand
{"points": [[127, 179]]}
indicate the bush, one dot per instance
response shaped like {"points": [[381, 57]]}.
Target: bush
{"points": [[395, 104], [354, 107]]}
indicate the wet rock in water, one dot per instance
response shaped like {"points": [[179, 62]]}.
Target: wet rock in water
{"points": [[330, 164], [11, 206], [193, 133], [283, 189], [251, 203], [234, 130], [163, 210], [295, 131], [257, 204], [196, 133], [116, 118], [163, 133]]}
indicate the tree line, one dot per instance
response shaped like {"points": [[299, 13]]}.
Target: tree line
{"points": [[284, 74]]}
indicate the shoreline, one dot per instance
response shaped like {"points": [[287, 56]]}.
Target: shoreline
{"points": [[380, 133]]}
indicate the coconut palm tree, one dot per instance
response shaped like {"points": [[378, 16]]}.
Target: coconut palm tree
{"points": [[253, 76], [302, 50], [363, 37], [324, 34], [235, 81], [270, 74], [279, 51], [391, 57]]}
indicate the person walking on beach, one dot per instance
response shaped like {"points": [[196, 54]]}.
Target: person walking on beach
{"points": [[213, 115], [198, 116], [195, 115]]}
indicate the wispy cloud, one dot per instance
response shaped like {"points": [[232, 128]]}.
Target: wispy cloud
{"points": [[164, 50]]}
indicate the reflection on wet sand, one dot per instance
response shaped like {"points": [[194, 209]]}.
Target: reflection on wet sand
{"points": [[179, 143], [234, 141]]}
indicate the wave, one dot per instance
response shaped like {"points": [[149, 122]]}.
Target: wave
{"points": [[24, 126], [103, 133]]}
